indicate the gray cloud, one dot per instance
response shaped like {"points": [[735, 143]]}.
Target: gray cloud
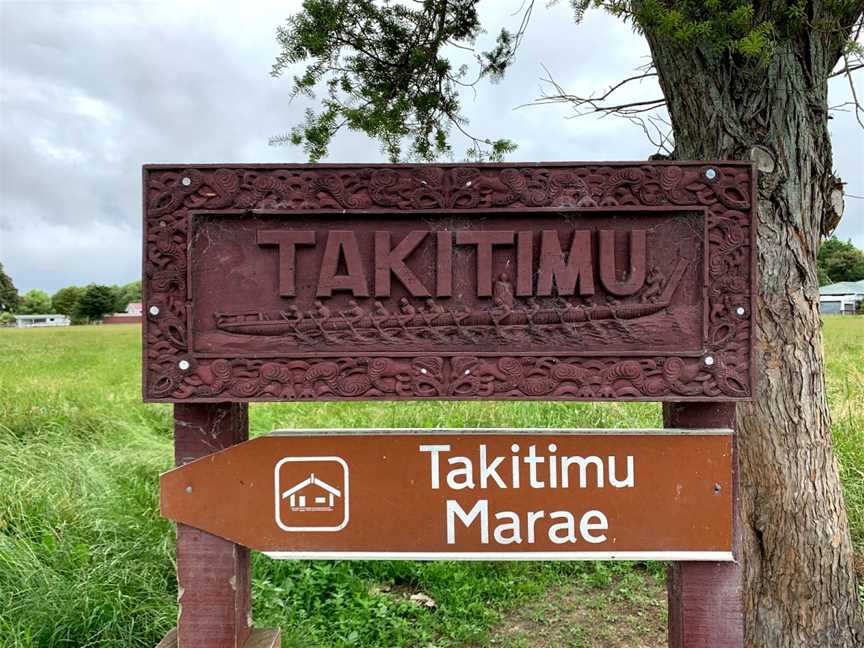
{"points": [[92, 90]]}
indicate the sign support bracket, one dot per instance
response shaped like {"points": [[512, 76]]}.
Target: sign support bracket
{"points": [[706, 598]]}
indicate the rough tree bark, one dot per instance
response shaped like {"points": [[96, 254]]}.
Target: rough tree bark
{"points": [[800, 585]]}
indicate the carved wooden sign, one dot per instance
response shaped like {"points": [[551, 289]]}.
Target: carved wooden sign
{"points": [[466, 494], [626, 281]]}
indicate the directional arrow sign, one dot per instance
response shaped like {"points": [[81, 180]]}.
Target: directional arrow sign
{"points": [[466, 494]]}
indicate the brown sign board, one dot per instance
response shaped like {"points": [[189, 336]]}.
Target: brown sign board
{"points": [[465, 494], [564, 281]]}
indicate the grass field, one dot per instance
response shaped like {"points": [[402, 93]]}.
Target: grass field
{"points": [[85, 559]]}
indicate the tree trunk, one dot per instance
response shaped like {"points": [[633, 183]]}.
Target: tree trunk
{"points": [[800, 585]]}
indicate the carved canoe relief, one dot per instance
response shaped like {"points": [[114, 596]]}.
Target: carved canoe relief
{"points": [[571, 282], [507, 320]]}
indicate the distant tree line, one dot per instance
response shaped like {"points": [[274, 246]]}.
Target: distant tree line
{"points": [[839, 261], [81, 303], [8, 292]]}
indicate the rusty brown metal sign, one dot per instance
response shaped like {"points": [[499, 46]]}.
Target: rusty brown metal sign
{"points": [[626, 281], [465, 494]]}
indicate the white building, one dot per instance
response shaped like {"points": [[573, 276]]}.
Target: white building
{"points": [[132, 315], [844, 298], [33, 321]]}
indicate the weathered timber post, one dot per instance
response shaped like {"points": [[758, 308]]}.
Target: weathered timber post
{"points": [[705, 598], [213, 574]]}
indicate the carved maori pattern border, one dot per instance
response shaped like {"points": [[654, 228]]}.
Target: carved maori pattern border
{"points": [[724, 189]]}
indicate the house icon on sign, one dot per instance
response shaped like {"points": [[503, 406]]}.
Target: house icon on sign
{"points": [[312, 494]]}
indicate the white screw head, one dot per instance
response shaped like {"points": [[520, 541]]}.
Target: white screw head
{"points": [[423, 371], [154, 310], [183, 364], [467, 371], [186, 181], [711, 174], [188, 489], [709, 360], [739, 311]]}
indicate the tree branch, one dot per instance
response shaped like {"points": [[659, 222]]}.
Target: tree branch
{"points": [[598, 104], [658, 131], [856, 103], [846, 70]]}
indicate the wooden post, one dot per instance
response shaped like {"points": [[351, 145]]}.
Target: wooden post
{"points": [[213, 574], [706, 598]]}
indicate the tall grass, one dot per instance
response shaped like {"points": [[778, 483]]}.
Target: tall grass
{"points": [[844, 361], [85, 559]]}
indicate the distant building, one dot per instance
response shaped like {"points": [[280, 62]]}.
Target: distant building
{"points": [[36, 321], [844, 298], [131, 316]]}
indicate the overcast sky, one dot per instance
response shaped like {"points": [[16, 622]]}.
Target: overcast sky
{"points": [[90, 91]]}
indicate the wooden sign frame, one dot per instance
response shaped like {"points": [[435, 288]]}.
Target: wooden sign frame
{"points": [[210, 391], [720, 194]]}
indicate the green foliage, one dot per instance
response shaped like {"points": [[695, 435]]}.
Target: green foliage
{"points": [[124, 295], [66, 299], [385, 68], [744, 29], [132, 292], [35, 302], [86, 560], [6, 318], [384, 71], [714, 27], [843, 339], [8, 293], [839, 261], [96, 302]]}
